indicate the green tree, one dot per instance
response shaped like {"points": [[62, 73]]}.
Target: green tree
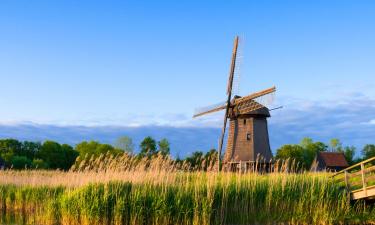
{"points": [[70, 156], [39, 164], [51, 153], [310, 150], [210, 158], [148, 147], [164, 147], [125, 144], [94, 148], [294, 152], [306, 142], [8, 149], [57, 156], [195, 160], [21, 162], [368, 151], [349, 153], [335, 145], [30, 149]]}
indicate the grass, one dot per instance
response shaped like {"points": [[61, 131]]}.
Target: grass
{"points": [[165, 196]]}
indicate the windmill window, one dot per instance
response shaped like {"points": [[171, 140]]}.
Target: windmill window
{"points": [[248, 136], [244, 121]]}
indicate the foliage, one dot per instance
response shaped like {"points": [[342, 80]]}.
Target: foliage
{"points": [[27, 154], [125, 144], [94, 148], [349, 153], [195, 160], [164, 147], [148, 147], [39, 164], [57, 156], [310, 150], [291, 152], [306, 151], [21, 162], [335, 145], [368, 151]]}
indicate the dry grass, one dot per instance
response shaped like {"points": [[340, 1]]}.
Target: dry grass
{"points": [[127, 190]]}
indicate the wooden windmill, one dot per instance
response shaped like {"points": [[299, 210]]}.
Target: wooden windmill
{"points": [[248, 131]]}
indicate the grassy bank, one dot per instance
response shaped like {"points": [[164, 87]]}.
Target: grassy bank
{"points": [[176, 198]]}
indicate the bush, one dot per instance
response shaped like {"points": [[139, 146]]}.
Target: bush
{"points": [[21, 162], [39, 164]]}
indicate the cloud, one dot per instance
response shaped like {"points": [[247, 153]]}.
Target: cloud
{"points": [[350, 118]]}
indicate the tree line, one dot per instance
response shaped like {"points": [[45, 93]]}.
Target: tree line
{"points": [[53, 155], [17, 154], [305, 152]]}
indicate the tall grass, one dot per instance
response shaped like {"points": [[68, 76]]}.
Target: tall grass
{"points": [[157, 194]]}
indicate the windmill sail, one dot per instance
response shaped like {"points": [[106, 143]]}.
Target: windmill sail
{"points": [[210, 109], [255, 101], [238, 68], [229, 93]]}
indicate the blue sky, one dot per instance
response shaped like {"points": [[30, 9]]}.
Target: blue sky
{"points": [[129, 63]]}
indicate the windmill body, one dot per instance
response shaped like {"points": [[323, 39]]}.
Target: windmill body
{"points": [[248, 140]]}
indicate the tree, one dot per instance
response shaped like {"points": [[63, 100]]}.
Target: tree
{"points": [[8, 149], [164, 147], [20, 162], [57, 156], [148, 147], [306, 142], [368, 151], [125, 144], [70, 156], [52, 154], [310, 150], [195, 160], [210, 158], [39, 164], [30, 149], [349, 153], [94, 148], [335, 145], [294, 152]]}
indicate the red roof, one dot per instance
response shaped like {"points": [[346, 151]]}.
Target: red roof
{"points": [[334, 159]]}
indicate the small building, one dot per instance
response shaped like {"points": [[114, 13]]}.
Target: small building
{"points": [[329, 161]]}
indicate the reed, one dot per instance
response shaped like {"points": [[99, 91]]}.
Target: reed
{"points": [[157, 192]]}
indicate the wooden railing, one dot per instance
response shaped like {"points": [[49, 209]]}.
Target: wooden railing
{"points": [[359, 179]]}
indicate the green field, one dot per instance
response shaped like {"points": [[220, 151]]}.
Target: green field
{"points": [[164, 197]]}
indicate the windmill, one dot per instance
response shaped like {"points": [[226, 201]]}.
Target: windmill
{"points": [[248, 130]]}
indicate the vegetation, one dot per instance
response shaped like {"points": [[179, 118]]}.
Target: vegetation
{"points": [[305, 152], [52, 155], [155, 191]]}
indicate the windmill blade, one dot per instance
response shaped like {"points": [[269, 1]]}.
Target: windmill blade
{"points": [[232, 66], [249, 105], [210, 109], [229, 93], [256, 96], [238, 67]]}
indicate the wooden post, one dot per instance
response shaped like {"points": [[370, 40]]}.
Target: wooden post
{"points": [[347, 181], [347, 185], [364, 186]]}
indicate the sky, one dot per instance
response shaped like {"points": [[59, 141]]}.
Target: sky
{"points": [[143, 63]]}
